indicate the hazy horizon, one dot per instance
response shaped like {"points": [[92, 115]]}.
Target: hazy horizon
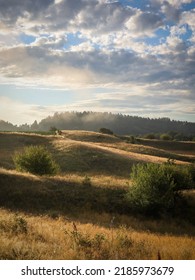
{"points": [[80, 112]]}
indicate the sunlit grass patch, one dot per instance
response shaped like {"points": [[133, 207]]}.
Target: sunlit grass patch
{"points": [[63, 238]]}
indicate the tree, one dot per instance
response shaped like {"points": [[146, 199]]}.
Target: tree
{"points": [[35, 126]]}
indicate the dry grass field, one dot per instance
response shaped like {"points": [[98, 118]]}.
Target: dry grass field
{"points": [[82, 213]]}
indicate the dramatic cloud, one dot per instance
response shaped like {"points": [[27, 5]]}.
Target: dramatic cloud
{"points": [[145, 51]]}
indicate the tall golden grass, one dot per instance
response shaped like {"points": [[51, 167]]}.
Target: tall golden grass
{"points": [[40, 237]]}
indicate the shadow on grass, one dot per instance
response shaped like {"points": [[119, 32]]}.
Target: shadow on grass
{"points": [[73, 158], [19, 192], [82, 159], [55, 196], [16, 142]]}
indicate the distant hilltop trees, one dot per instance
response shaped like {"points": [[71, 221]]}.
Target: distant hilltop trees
{"points": [[118, 123], [6, 126]]}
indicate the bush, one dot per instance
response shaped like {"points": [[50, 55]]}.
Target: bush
{"points": [[152, 190], [106, 131], [36, 160], [182, 175], [165, 137], [156, 187]]}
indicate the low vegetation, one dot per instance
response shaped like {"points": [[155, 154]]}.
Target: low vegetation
{"points": [[93, 209], [36, 237], [156, 188], [36, 160], [106, 131], [152, 190], [169, 136]]}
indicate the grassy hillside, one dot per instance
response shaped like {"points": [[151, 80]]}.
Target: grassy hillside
{"points": [[42, 237], [82, 213], [180, 147]]}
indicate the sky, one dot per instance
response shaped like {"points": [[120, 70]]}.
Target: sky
{"points": [[129, 57]]}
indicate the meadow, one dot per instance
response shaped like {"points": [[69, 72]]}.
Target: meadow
{"points": [[82, 212]]}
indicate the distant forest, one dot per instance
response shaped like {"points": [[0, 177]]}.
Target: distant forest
{"points": [[118, 123]]}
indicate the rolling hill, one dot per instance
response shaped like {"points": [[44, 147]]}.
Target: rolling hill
{"points": [[82, 212]]}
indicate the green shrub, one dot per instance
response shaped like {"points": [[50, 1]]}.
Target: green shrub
{"points": [[106, 131], [152, 190], [156, 187], [182, 175], [36, 160], [165, 137]]}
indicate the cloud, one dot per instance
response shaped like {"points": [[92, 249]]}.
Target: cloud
{"points": [[187, 18], [96, 44], [103, 17], [171, 12], [175, 44], [98, 67], [52, 41], [83, 47], [176, 3], [170, 8], [131, 102], [54, 16], [20, 113], [12, 10], [135, 103], [30, 65], [144, 23]]}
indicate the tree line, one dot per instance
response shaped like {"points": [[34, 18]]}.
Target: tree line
{"points": [[118, 123]]}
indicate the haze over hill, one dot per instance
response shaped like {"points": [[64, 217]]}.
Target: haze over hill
{"points": [[93, 121]]}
